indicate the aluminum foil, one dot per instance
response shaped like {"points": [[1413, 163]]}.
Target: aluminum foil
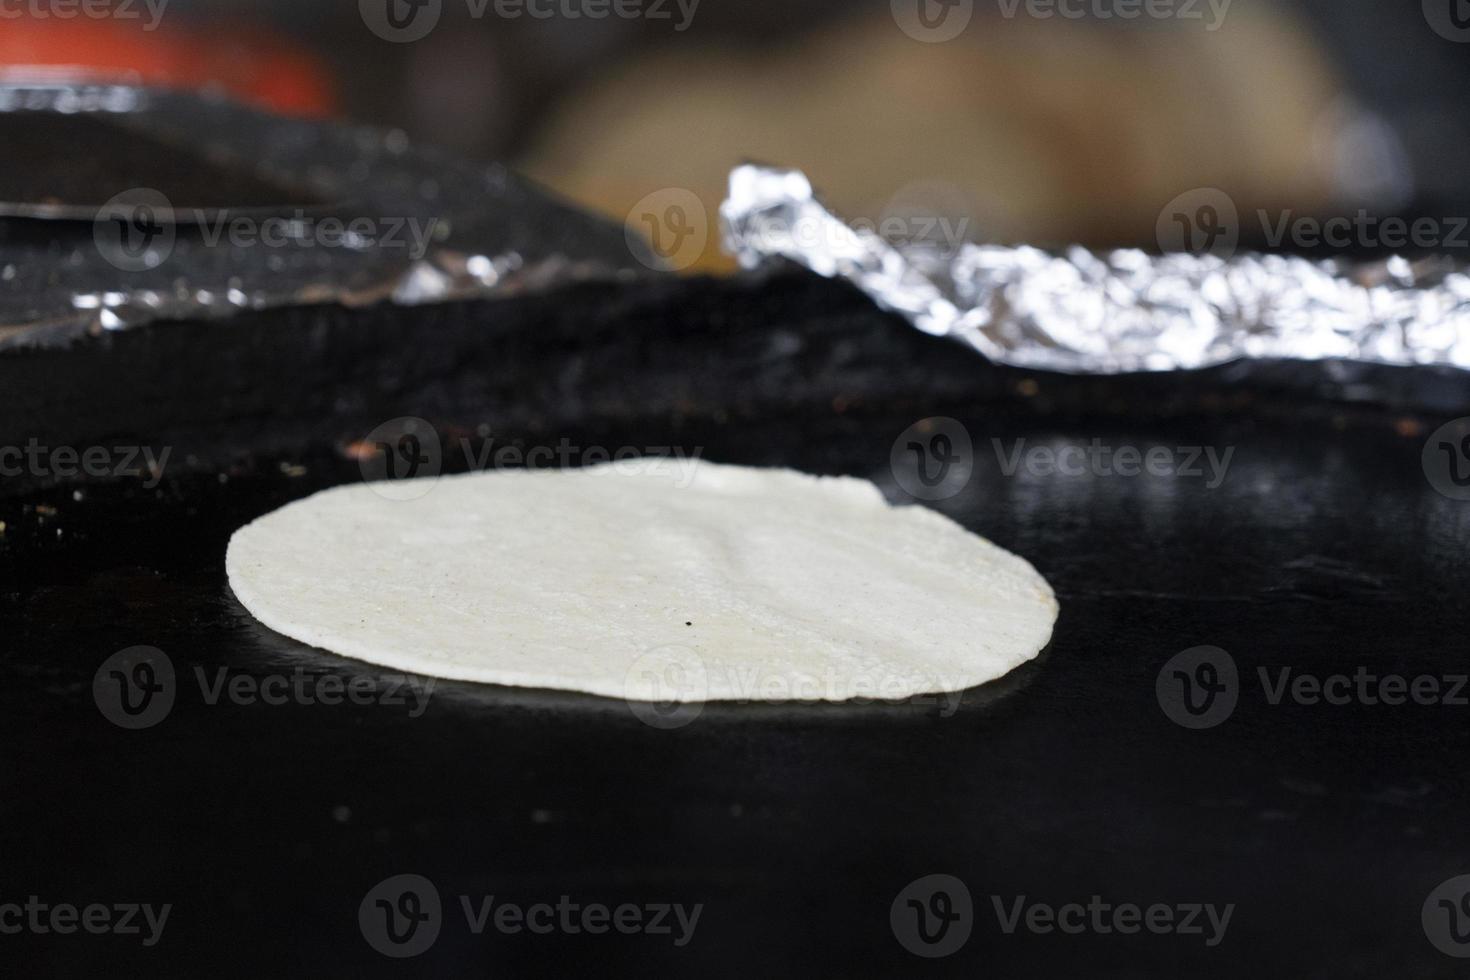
{"points": [[493, 234], [1080, 311]]}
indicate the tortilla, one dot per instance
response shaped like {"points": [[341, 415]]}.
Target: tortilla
{"points": [[662, 580]]}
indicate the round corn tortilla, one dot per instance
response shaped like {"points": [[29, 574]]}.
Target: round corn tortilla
{"points": [[667, 581]]}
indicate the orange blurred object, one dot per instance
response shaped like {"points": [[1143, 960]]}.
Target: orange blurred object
{"points": [[250, 64]]}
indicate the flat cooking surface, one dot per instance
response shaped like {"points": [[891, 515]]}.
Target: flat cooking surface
{"points": [[1324, 549]]}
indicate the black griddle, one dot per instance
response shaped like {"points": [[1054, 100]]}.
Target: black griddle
{"points": [[797, 826]]}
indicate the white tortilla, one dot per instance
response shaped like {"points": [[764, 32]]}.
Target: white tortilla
{"points": [[651, 581]]}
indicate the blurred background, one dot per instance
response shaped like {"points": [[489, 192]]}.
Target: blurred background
{"points": [[1045, 121]]}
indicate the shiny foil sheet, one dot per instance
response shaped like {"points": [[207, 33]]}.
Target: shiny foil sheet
{"points": [[483, 232], [1080, 311]]}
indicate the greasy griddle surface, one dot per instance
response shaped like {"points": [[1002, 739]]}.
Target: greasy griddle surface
{"points": [[1325, 549]]}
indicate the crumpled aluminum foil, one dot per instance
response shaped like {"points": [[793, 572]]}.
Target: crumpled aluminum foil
{"points": [[1079, 311], [494, 234]]}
